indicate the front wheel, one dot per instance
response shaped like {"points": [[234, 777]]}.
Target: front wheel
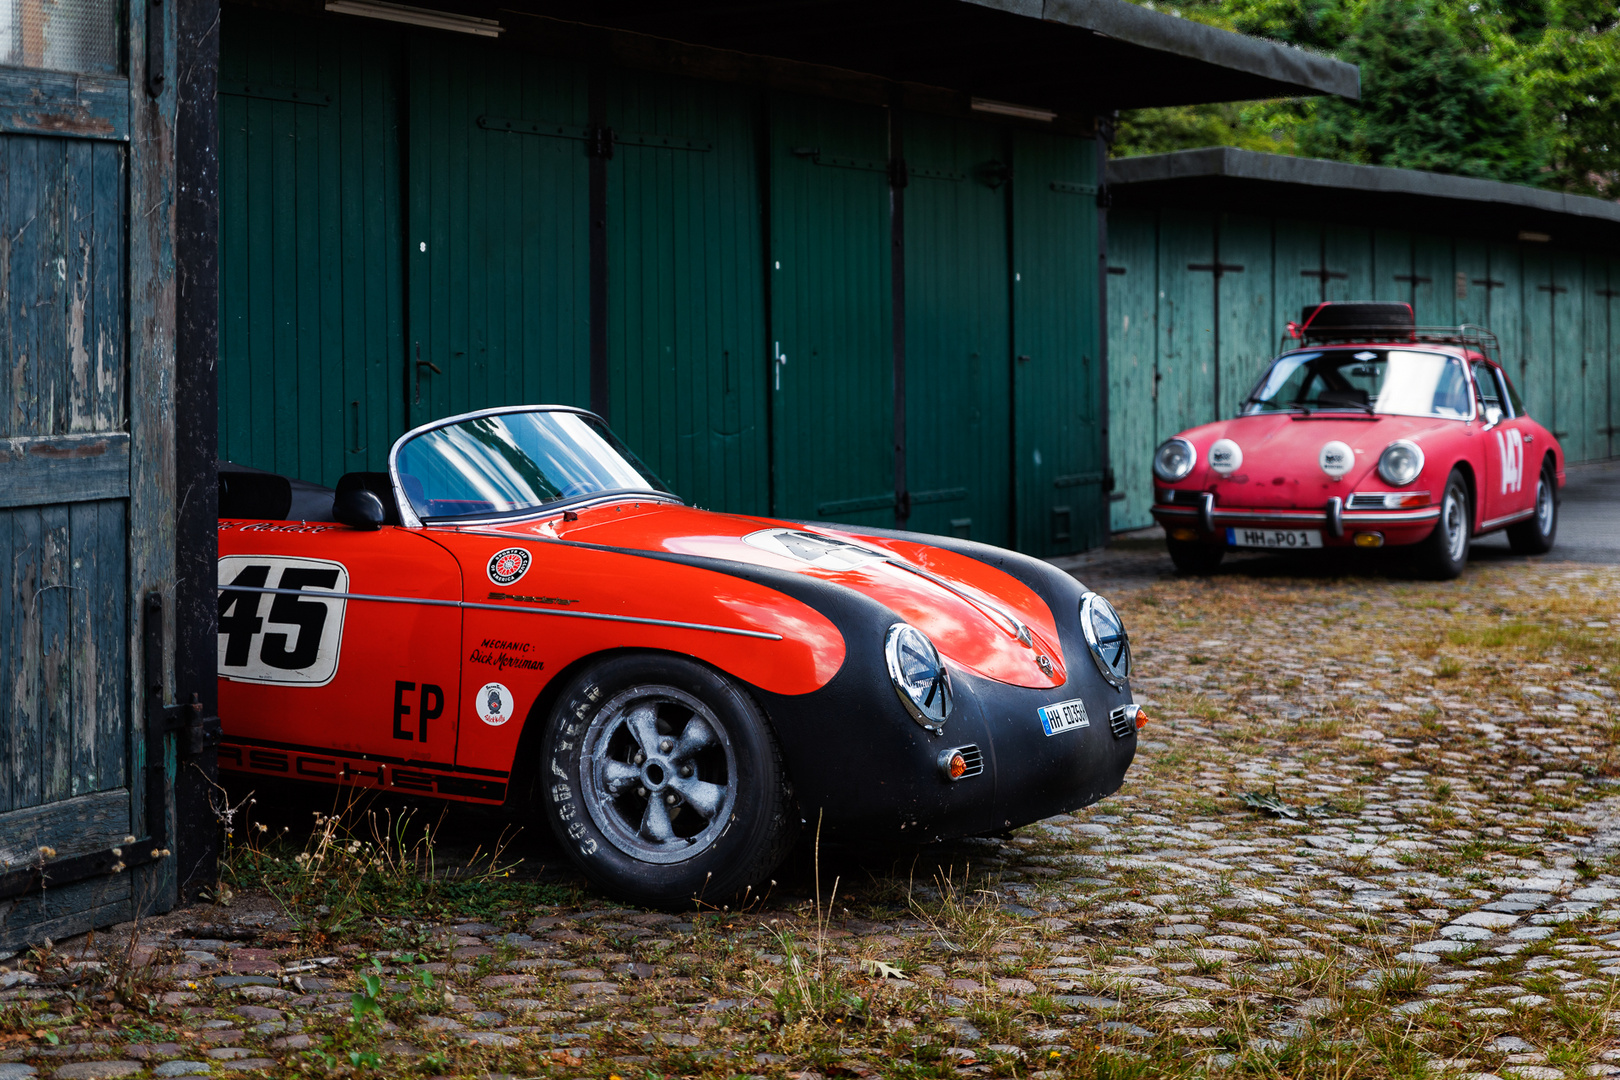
{"points": [[1191, 557], [1445, 552], [664, 783], [1535, 535]]}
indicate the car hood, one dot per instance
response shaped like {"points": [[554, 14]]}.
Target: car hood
{"points": [[979, 618], [1281, 455]]}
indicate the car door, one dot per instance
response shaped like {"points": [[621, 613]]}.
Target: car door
{"points": [[1504, 491], [338, 652]]}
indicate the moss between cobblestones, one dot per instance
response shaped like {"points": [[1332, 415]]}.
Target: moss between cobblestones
{"points": [[1444, 901]]}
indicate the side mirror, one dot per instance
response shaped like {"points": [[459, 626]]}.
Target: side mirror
{"points": [[359, 509], [1493, 416]]}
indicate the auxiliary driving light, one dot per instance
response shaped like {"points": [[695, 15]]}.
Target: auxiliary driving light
{"points": [[962, 763], [1369, 540]]}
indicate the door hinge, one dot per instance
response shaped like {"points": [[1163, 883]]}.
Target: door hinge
{"points": [[197, 733], [599, 141]]}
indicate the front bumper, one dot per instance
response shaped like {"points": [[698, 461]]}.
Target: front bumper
{"points": [[863, 769], [1338, 525]]}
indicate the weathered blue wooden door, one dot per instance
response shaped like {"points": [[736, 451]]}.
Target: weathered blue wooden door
{"points": [[86, 464]]}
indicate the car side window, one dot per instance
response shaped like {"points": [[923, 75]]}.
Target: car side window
{"points": [[1489, 395], [1512, 394]]}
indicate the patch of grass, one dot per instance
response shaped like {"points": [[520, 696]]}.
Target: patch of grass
{"points": [[356, 865]]}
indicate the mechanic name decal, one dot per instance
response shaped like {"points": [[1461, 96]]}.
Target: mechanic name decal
{"points": [[290, 638], [503, 655], [493, 704], [508, 565], [1510, 448]]}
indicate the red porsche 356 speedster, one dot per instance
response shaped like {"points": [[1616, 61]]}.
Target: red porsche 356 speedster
{"points": [[1370, 432]]}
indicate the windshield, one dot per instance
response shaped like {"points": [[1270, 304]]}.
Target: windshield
{"points": [[515, 461], [1402, 382]]}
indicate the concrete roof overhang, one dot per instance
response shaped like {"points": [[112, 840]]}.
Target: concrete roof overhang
{"points": [[1227, 179], [1070, 56]]}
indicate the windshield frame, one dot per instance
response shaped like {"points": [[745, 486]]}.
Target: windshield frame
{"points": [[1463, 358], [407, 512]]}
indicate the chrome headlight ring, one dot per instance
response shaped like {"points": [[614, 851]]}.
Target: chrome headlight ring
{"points": [[1400, 463], [920, 677], [1106, 638], [1174, 459]]}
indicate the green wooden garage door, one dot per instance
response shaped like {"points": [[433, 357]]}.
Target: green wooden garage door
{"points": [[832, 397], [686, 310], [958, 385], [311, 299]]}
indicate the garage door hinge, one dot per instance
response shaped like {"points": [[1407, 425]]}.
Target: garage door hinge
{"points": [[198, 733]]}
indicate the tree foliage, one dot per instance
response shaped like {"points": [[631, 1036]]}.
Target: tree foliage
{"points": [[1519, 90]]}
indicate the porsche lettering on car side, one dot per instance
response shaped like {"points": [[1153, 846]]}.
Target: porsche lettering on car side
{"points": [[519, 612], [1372, 432]]}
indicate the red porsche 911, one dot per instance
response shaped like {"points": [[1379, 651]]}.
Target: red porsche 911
{"points": [[1371, 432]]}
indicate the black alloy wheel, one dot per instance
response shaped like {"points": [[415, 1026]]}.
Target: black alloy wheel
{"points": [[663, 782], [1535, 534]]}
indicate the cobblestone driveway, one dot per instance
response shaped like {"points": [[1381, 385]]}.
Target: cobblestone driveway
{"points": [[1371, 831]]}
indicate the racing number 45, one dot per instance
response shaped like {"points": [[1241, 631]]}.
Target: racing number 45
{"points": [[299, 640]]}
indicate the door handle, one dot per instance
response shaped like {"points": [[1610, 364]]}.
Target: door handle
{"points": [[420, 364], [1529, 438]]}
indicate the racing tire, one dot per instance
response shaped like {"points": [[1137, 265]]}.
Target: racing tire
{"points": [[1192, 557], [1444, 554], [663, 782], [1535, 535]]}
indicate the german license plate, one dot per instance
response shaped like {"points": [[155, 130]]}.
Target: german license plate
{"points": [[1064, 716], [1296, 539]]}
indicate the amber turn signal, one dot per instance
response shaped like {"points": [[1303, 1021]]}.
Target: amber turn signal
{"points": [[1183, 534], [957, 767], [1141, 719], [1369, 540]]}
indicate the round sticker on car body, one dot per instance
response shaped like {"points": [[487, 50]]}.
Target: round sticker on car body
{"points": [[508, 565], [1336, 458], [493, 704], [1225, 456]]}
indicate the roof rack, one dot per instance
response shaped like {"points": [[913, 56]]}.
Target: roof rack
{"points": [[1467, 335]]}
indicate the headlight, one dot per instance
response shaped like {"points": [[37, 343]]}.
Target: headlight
{"points": [[1174, 459], [1400, 462], [1106, 637], [920, 676]]}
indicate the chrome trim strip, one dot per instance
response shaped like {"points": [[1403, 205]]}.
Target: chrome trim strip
{"points": [[1494, 522], [557, 612]]}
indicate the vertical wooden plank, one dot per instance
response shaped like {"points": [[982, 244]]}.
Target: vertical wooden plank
{"points": [[958, 416], [108, 328], [109, 619], [26, 661], [1250, 328], [1569, 325], [78, 284], [1539, 380], [1349, 253], [10, 657], [55, 603], [1594, 393], [1298, 266], [1434, 293], [1186, 320], [25, 254], [1132, 341], [151, 525], [1505, 308], [48, 310], [1392, 271], [1470, 296], [1613, 356], [82, 594]]}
